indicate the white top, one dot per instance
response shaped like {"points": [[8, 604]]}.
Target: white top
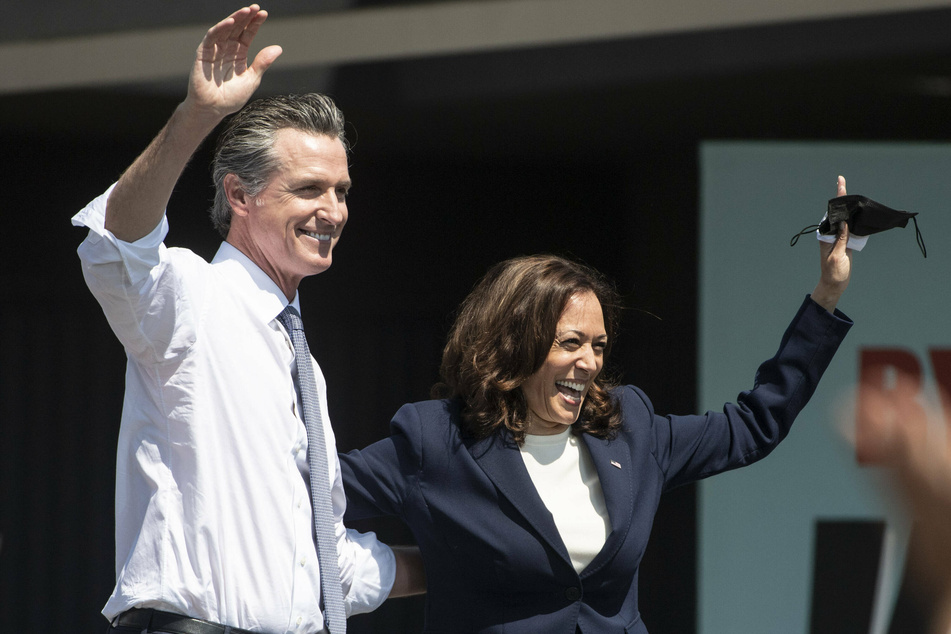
{"points": [[567, 482], [213, 511]]}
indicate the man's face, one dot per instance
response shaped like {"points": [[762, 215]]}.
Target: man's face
{"points": [[295, 221]]}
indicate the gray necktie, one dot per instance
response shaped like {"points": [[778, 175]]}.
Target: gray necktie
{"points": [[335, 615]]}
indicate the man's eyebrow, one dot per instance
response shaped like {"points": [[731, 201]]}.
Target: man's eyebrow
{"points": [[310, 179]]}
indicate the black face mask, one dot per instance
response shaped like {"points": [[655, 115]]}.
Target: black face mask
{"points": [[864, 217]]}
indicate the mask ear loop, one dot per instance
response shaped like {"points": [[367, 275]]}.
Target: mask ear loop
{"points": [[921, 241], [805, 231]]}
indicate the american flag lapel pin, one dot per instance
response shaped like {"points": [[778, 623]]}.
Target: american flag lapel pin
{"points": [[615, 463]]}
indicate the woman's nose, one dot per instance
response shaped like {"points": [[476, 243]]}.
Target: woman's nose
{"points": [[586, 359]]}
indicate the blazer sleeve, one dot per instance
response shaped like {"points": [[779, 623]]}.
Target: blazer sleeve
{"points": [[379, 478], [689, 448]]}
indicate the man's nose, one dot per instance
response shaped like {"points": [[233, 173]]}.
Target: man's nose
{"points": [[330, 208]]}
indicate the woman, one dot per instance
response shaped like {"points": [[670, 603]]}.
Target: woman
{"points": [[531, 490]]}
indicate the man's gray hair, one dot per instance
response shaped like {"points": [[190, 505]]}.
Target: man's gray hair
{"points": [[246, 146]]}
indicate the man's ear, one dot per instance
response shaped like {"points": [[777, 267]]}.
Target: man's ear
{"points": [[238, 198]]}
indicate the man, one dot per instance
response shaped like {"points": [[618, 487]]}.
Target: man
{"points": [[215, 526]]}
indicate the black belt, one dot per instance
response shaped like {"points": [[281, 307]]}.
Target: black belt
{"points": [[158, 621]]}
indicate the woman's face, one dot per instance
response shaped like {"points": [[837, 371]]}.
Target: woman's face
{"points": [[556, 391]]}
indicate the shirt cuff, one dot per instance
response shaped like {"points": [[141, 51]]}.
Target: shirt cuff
{"points": [[374, 572], [101, 246]]}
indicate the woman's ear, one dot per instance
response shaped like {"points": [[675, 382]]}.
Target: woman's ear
{"points": [[238, 198]]}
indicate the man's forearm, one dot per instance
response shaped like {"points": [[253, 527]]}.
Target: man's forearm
{"points": [[139, 199]]}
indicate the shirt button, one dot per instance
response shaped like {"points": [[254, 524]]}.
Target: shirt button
{"points": [[303, 561], [572, 593], [300, 620]]}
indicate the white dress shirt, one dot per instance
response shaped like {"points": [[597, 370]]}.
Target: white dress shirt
{"points": [[213, 512]]}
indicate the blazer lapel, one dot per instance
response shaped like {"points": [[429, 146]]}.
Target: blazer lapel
{"points": [[502, 462], [612, 459]]}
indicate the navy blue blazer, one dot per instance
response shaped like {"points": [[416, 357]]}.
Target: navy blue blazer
{"points": [[495, 561]]}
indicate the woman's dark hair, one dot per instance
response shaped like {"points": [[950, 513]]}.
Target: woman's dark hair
{"points": [[503, 333]]}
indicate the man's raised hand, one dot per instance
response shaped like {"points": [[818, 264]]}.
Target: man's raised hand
{"points": [[221, 80]]}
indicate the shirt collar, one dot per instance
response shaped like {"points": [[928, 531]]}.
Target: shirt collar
{"points": [[266, 299]]}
